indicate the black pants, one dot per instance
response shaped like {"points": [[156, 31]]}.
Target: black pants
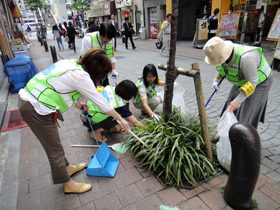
{"points": [[210, 35], [115, 42], [131, 40], [258, 35]]}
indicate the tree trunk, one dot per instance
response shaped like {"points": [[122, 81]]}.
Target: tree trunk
{"points": [[171, 73]]}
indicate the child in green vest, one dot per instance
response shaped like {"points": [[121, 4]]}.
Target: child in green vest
{"points": [[147, 99], [118, 97]]}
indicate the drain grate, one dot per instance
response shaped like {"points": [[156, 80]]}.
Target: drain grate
{"points": [[269, 183]]}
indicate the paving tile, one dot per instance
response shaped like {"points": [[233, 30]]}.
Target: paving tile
{"points": [[44, 168], [144, 172], [131, 207], [51, 193], [149, 185], [129, 162], [264, 169], [212, 183], [109, 185], [270, 164], [149, 203], [92, 179], [130, 176], [191, 193], [274, 150], [171, 197], [46, 206], [22, 188], [39, 182], [89, 206], [110, 201], [223, 177], [31, 153], [84, 153], [273, 175], [91, 195], [67, 134], [275, 158], [69, 201], [129, 195], [259, 184], [194, 203], [74, 125], [31, 200], [265, 152], [80, 138], [265, 203], [28, 173], [213, 198], [271, 193]]}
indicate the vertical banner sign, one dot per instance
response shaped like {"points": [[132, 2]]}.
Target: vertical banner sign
{"points": [[274, 31], [202, 33], [81, 20]]}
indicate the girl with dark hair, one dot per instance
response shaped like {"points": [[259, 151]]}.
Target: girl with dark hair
{"points": [[118, 97], [57, 36], [147, 99], [50, 93]]}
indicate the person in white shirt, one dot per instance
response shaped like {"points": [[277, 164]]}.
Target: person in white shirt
{"points": [[102, 39], [166, 28], [260, 24], [115, 23], [50, 93]]}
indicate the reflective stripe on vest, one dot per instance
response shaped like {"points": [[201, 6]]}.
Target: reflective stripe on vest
{"points": [[95, 44], [235, 76], [115, 101], [150, 91], [40, 88]]}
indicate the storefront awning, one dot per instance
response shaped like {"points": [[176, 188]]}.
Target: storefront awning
{"points": [[15, 11]]}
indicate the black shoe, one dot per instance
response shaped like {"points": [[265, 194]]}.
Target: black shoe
{"points": [[126, 48], [134, 48]]}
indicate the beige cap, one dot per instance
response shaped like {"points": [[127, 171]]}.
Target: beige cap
{"points": [[217, 50]]}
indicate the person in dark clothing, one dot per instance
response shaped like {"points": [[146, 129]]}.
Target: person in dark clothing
{"points": [[115, 23], [71, 33], [64, 32], [127, 33], [213, 24], [92, 27]]}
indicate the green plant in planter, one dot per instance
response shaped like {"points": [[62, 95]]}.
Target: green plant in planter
{"points": [[175, 149]]}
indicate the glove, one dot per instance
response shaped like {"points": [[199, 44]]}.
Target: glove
{"points": [[115, 75], [156, 117], [215, 84]]}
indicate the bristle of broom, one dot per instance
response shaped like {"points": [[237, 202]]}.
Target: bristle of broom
{"points": [[120, 148]]}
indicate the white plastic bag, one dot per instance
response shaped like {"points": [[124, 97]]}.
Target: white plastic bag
{"points": [[178, 99], [223, 146]]}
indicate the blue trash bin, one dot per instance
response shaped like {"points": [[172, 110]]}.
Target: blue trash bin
{"points": [[19, 71]]}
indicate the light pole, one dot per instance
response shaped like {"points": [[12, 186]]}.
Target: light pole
{"points": [[35, 5]]}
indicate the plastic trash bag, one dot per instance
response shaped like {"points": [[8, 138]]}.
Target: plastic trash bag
{"points": [[223, 146], [178, 96]]}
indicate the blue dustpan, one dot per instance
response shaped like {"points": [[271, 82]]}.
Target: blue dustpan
{"points": [[103, 163]]}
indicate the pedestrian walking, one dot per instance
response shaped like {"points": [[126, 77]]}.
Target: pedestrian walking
{"points": [[128, 30], [50, 93], [102, 39], [72, 33], [92, 27], [260, 24], [57, 35], [166, 29], [247, 69], [213, 24], [115, 23], [65, 34]]}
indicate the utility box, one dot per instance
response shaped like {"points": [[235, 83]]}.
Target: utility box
{"points": [[142, 33]]}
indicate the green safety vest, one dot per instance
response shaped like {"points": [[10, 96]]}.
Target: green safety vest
{"points": [[40, 89], [151, 92], [234, 74], [115, 101], [95, 44]]}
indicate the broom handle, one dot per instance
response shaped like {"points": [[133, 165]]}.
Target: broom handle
{"points": [[133, 134], [81, 145]]}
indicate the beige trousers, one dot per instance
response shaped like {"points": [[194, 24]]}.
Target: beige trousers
{"points": [[46, 131], [153, 103]]}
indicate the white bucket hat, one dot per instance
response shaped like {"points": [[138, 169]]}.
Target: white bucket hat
{"points": [[217, 50]]}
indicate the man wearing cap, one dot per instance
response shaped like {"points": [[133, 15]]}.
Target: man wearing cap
{"points": [[247, 69]]}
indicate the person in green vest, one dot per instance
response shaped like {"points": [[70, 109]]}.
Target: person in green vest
{"points": [[50, 93], [118, 97], [102, 39], [147, 99], [247, 69]]}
